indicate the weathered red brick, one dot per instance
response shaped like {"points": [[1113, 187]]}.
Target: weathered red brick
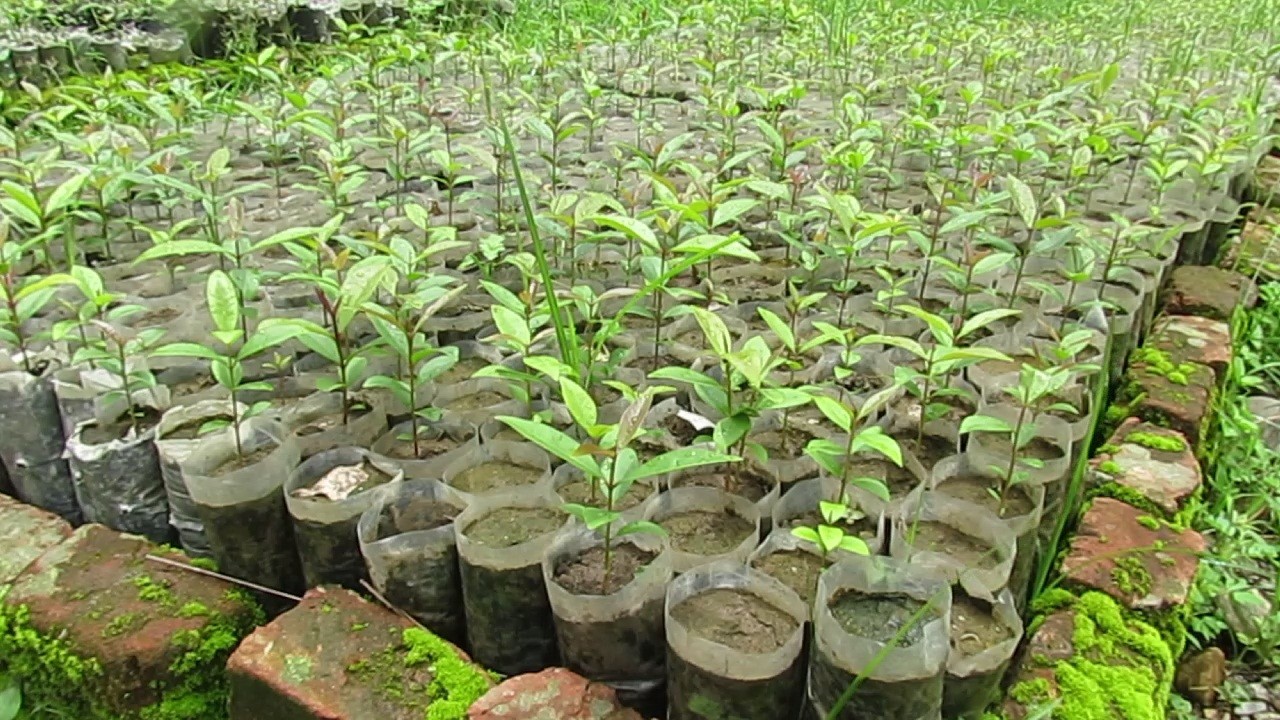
{"points": [[1179, 399], [1124, 552], [1190, 338], [1140, 456], [1207, 291], [144, 635], [26, 532], [335, 656], [553, 694]]}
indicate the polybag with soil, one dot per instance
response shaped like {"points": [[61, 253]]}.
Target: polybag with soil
{"points": [[501, 542], [316, 421], [32, 442], [439, 444], [326, 495], [609, 622], [177, 436], [117, 477], [943, 535], [864, 605], [407, 540], [706, 524], [240, 501], [734, 645], [497, 466], [984, 637]]}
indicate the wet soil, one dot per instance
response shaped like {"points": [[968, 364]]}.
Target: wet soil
{"points": [[585, 574], [928, 452], [427, 448], [704, 532], [506, 527], [461, 370], [494, 475], [736, 619], [682, 432], [879, 617], [413, 515], [942, 538], [1038, 448], [977, 490], [240, 462], [579, 491], [797, 569], [331, 421], [973, 627], [101, 434], [749, 484], [647, 363], [475, 401]]}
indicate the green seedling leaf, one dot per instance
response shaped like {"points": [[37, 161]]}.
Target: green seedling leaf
{"points": [[1024, 202], [829, 537], [641, 526], [876, 439], [10, 698], [984, 423], [807, 534], [835, 411], [677, 460], [580, 404], [554, 442], [224, 303]]}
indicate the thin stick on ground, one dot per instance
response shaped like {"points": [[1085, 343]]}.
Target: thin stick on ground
{"points": [[226, 578]]}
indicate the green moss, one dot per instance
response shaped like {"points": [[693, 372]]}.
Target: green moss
{"points": [[1051, 600], [359, 626], [53, 674], [1131, 576], [1128, 496], [124, 623], [1029, 692], [193, 609], [149, 590], [297, 669], [1149, 522], [1156, 441], [204, 563], [1122, 667], [454, 684], [1109, 467]]}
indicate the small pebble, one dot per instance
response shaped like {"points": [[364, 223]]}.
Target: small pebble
{"points": [[1253, 707]]}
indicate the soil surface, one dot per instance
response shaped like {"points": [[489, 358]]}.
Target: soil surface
{"points": [[427, 448], [973, 627], [191, 430], [414, 514], [879, 617], [331, 421], [942, 538], [506, 527], [585, 574], [748, 483], [864, 527], [493, 475], [1038, 448], [240, 462], [736, 619], [579, 491], [930, 451], [977, 490], [797, 569], [475, 401], [100, 434], [703, 532], [461, 370]]}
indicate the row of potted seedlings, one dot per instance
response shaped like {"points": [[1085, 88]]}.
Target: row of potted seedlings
{"points": [[664, 473]]}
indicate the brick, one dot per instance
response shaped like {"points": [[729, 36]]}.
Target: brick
{"points": [[336, 656], [1193, 339], [1250, 253], [1206, 291], [1117, 551], [96, 631], [1155, 462], [553, 694], [26, 532], [1179, 398]]}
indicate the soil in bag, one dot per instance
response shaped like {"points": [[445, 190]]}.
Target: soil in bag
{"points": [[330, 551], [583, 492], [893, 619], [424, 584], [750, 484], [746, 623], [797, 569], [493, 475], [703, 532], [941, 538], [974, 629], [509, 618], [585, 574]]}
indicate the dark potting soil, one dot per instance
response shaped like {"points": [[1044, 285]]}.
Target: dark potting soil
{"points": [[736, 619], [402, 449], [585, 574], [973, 626], [191, 430], [879, 617], [746, 483], [475, 401], [510, 526], [784, 444], [580, 492], [239, 462], [461, 370], [797, 569], [1038, 448], [331, 421], [100, 434], [862, 382], [680, 430], [941, 538], [977, 490], [704, 532], [928, 452], [493, 475], [647, 362], [414, 514]]}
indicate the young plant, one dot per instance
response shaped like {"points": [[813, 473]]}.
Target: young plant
{"points": [[828, 535], [124, 356], [608, 461]]}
